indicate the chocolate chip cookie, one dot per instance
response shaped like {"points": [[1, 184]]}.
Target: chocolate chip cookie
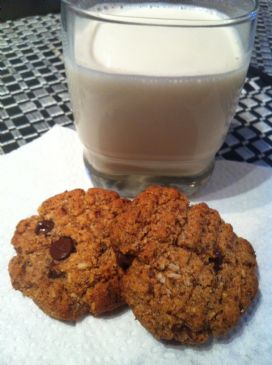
{"points": [[189, 277], [64, 261]]}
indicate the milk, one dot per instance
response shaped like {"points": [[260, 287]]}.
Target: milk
{"points": [[154, 100]]}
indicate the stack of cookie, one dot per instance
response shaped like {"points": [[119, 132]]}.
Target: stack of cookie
{"points": [[180, 268]]}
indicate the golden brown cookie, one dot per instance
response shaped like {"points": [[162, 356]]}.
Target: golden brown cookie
{"points": [[64, 260], [189, 277]]}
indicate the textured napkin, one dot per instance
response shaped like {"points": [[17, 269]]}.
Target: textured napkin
{"points": [[53, 163]]}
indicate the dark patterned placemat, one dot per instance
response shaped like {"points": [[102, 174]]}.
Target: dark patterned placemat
{"points": [[34, 96], [33, 91], [262, 52], [250, 135]]}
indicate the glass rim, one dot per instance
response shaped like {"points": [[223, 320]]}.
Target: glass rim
{"points": [[150, 21]]}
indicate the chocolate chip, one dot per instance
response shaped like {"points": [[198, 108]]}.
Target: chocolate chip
{"points": [[217, 260], [150, 289], [62, 248], [54, 274], [103, 248], [151, 273], [44, 226], [177, 327], [64, 210], [124, 261]]}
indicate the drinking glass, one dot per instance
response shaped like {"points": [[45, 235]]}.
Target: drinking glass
{"points": [[154, 86]]}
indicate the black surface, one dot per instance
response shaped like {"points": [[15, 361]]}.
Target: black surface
{"points": [[13, 9]]}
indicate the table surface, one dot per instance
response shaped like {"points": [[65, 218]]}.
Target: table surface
{"points": [[34, 95]]}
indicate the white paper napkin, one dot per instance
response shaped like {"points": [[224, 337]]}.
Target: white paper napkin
{"points": [[53, 163]]}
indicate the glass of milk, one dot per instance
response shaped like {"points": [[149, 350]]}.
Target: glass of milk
{"points": [[154, 86]]}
